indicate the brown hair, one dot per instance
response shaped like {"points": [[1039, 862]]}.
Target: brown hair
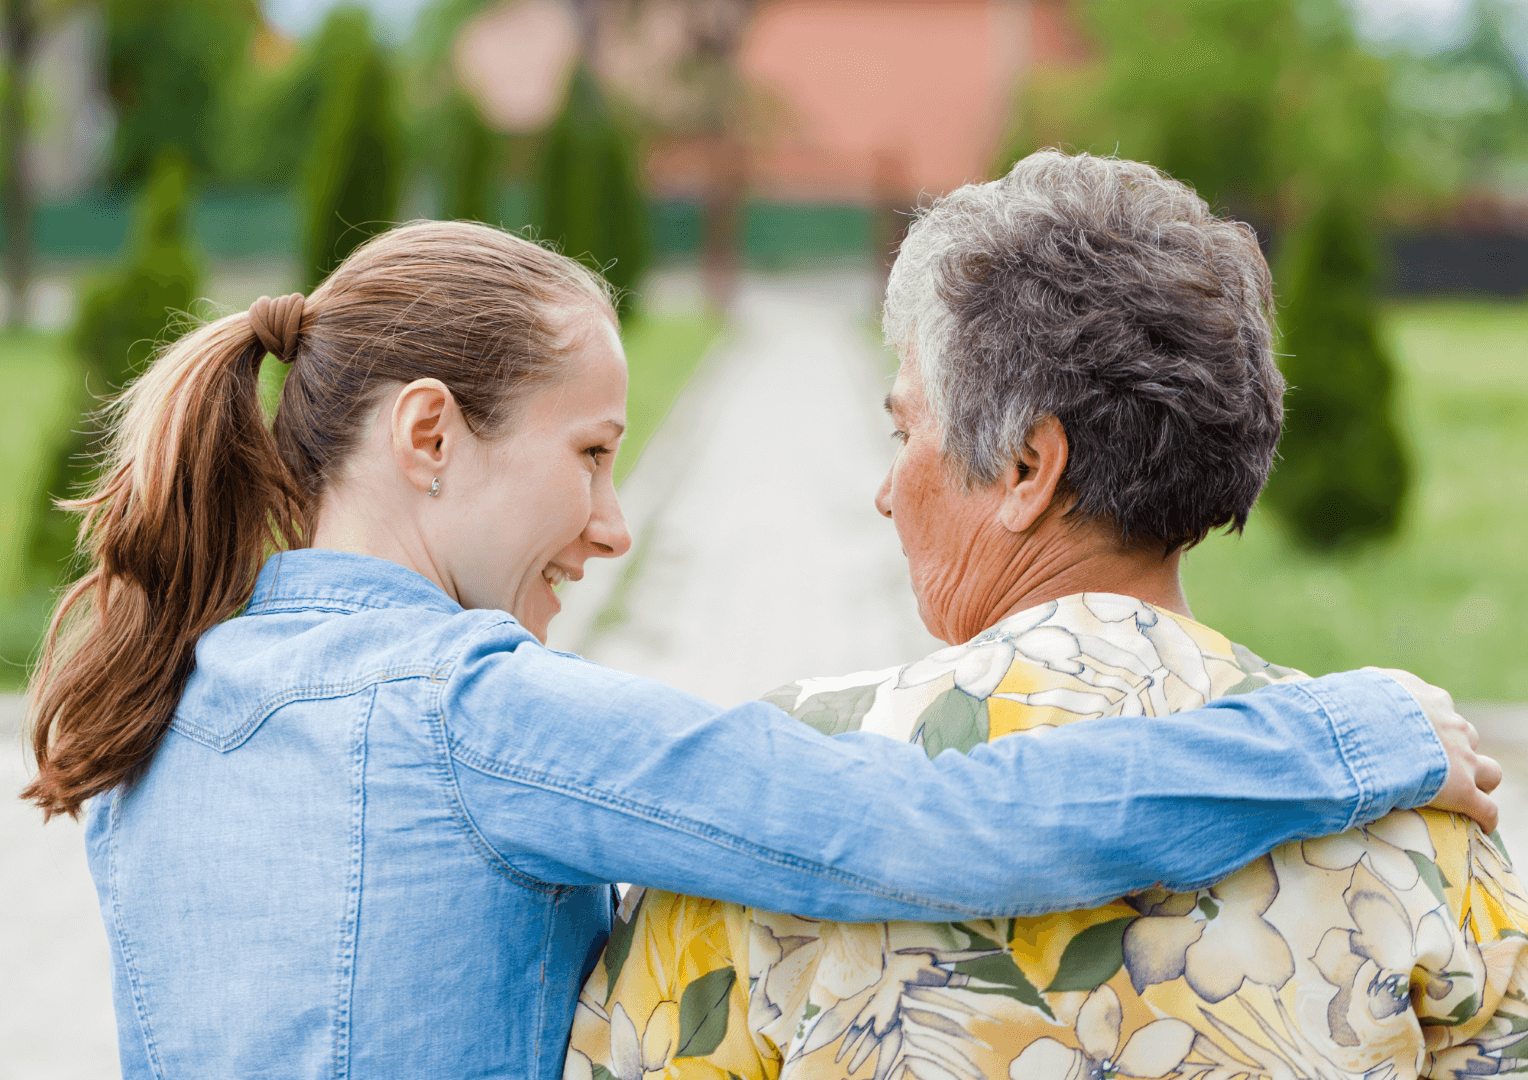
{"points": [[197, 490]]}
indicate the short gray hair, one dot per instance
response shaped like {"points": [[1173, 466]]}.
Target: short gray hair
{"points": [[1106, 294]]}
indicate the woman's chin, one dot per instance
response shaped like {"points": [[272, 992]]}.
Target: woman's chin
{"points": [[540, 608]]}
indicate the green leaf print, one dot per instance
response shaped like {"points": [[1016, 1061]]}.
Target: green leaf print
{"points": [[621, 933], [832, 712], [1253, 664], [1209, 907], [1465, 1010], [783, 697], [1249, 684], [978, 939], [1092, 957], [599, 1072], [953, 721], [1501, 846], [1003, 977], [1431, 874], [703, 1013]]}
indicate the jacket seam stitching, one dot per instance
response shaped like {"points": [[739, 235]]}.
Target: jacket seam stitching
{"points": [[485, 850], [350, 929], [311, 692], [1350, 750], [145, 1026]]}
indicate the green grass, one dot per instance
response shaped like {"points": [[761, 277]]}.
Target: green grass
{"points": [[662, 354], [36, 371], [1447, 597]]}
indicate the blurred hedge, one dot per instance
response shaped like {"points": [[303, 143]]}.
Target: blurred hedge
{"points": [[353, 176], [590, 202], [124, 315]]}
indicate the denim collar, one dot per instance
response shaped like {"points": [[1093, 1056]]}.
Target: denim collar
{"points": [[310, 579]]}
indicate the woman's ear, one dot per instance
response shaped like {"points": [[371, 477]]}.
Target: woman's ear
{"points": [[1029, 484], [426, 425]]}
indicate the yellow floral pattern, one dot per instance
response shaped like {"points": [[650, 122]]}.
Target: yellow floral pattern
{"points": [[1391, 951]]}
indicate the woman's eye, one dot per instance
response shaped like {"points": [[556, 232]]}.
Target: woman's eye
{"points": [[597, 452], [900, 436]]}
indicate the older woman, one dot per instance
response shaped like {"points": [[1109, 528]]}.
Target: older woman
{"points": [[1087, 388]]}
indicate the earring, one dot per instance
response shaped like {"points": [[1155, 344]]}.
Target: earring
{"points": [[434, 487]]}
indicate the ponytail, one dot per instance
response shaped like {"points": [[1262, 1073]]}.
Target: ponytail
{"points": [[193, 495]]}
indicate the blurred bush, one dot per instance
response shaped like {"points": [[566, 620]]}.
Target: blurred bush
{"points": [[590, 202], [1465, 108], [272, 110], [1262, 105], [353, 175], [170, 66], [124, 316], [1343, 473], [471, 158]]}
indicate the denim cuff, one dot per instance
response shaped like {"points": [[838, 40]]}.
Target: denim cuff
{"points": [[1391, 750]]}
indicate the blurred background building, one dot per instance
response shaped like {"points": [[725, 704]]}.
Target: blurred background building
{"points": [[743, 169]]}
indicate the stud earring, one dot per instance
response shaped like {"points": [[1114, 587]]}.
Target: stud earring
{"points": [[434, 487]]}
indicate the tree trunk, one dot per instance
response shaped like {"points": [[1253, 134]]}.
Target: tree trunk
{"points": [[726, 187], [16, 197]]}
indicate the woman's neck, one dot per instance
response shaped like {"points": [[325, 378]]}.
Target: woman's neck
{"points": [[1070, 562]]}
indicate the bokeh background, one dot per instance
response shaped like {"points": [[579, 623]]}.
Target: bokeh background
{"points": [[166, 157], [743, 169]]}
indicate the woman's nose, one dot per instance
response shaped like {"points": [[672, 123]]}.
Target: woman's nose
{"points": [[607, 526], [883, 496]]}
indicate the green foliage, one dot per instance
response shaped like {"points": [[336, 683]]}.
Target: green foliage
{"points": [[271, 120], [1466, 108], [123, 316], [354, 171], [1344, 473], [590, 200], [1256, 103], [435, 29], [472, 153], [169, 67]]}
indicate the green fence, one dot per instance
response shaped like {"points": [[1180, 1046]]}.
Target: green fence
{"points": [[261, 223]]}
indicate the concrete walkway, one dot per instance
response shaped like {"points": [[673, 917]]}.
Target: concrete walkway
{"points": [[759, 559], [55, 992]]}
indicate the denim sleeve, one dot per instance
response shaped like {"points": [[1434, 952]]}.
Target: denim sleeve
{"points": [[574, 774]]}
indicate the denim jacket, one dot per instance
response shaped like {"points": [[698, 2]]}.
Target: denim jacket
{"points": [[377, 839]]}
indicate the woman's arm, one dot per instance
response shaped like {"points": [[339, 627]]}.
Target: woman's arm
{"points": [[576, 773]]}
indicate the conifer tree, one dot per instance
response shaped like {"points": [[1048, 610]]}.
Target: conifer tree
{"points": [[1344, 472], [472, 153], [123, 317], [590, 201], [353, 177]]}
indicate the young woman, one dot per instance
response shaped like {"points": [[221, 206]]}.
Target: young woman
{"points": [[349, 817]]}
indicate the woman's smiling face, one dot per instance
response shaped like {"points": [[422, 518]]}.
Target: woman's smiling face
{"points": [[541, 501]]}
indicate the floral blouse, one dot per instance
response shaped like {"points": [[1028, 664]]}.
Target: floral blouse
{"points": [[1395, 950]]}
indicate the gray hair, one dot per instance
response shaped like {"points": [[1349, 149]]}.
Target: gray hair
{"points": [[1106, 294]]}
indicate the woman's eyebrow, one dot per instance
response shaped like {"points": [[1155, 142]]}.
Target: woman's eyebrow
{"points": [[890, 406]]}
